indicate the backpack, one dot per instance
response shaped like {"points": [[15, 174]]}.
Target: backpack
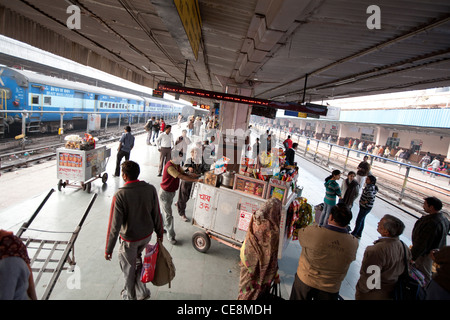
{"points": [[164, 269], [148, 125]]}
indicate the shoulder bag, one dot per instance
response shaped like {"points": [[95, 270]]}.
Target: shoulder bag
{"points": [[410, 282], [164, 268]]}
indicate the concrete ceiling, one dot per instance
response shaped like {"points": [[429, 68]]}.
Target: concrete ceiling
{"points": [[272, 46]]}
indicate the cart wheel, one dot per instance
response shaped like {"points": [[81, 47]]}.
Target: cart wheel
{"points": [[201, 241], [105, 177], [88, 187], [60, 185]]}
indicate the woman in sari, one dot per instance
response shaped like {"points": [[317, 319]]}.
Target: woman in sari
{"points": [[259, 252]]}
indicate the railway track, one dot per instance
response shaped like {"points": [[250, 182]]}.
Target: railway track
{"points": [[44, 148]]}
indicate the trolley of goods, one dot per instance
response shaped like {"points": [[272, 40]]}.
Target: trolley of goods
{"points": [[223, 212], [81, 162]]}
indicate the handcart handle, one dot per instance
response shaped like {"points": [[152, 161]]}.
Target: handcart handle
{"points": [[25, 225], [94, 196], [69, 248]]}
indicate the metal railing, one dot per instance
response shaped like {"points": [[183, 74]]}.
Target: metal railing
{"points": [[129, 115], [401, 181]]}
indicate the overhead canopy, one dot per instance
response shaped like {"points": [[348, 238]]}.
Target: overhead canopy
{"points": [[272, 46]]}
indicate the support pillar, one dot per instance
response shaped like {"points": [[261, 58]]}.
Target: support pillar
{"points": [[234, 119]]}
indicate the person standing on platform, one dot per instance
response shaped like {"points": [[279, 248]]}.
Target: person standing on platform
{"points": [[429, 233], [426, 159], [332, 190], [256, 150], [162, 125], [148, 128], [165, 145], [350, 190], [259, 252], [193, 167], [287, 144], [126, 143], [365, 204], [172, 175], [387, 153], [155, 130], [290, 154], [133, 217], [380, 153], [180, 117], [197, 124], [182, 144], [362, 172], [386, 258], [439, 286], [325, 258], [190, 126], [435, 164]]}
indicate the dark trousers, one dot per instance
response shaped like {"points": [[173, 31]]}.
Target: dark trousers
{"points": [[120, 155], [301, 291], [359, 224], [183, 196]]}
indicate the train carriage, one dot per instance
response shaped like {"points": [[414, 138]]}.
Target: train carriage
{"points": [[36, 94]]}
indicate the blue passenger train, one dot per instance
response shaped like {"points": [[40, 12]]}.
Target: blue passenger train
{"points": [[22, 90]]}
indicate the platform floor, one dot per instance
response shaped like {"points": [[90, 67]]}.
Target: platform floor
{"points": [[214, 275]]}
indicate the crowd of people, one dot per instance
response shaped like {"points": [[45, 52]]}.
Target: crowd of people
{"points": [[178, 172], [434, 163], [329, 246], [139, 209]]}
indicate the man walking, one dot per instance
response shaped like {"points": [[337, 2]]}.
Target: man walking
{"points": [[133, 217], [165, 145], [126, 143]]}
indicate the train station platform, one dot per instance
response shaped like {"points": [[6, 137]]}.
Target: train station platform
{"points": [[199, 276]]}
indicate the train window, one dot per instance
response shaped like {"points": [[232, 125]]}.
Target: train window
{"points": [[35, 100], [101, 104], [47, 101]]}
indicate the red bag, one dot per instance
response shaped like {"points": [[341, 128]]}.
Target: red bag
{"points": [[148, 268]]}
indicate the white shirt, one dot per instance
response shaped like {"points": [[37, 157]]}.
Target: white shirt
{"points": [[165, 140]]}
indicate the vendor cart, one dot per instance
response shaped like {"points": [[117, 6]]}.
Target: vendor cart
{"points": [[48, 256], [81, 167], [224, 214]]}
